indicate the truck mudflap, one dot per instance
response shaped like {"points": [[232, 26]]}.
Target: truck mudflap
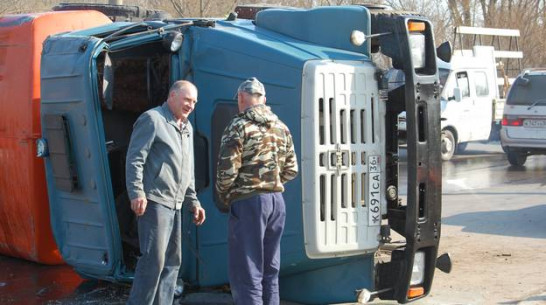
{"points": [[419, 220]]}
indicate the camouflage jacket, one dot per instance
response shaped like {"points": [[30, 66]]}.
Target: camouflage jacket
{"points": [[256, 155]]}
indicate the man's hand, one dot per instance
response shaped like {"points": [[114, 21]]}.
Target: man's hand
{"points": [[138, 205], [198, 215]]}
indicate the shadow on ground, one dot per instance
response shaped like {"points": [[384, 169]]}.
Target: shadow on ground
{"points": [[536, 299], [528, 222]]}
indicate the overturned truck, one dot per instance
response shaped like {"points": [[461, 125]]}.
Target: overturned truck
{"points": [[321, 80]]}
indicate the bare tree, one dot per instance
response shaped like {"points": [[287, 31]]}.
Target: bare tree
{"points": [[436, 12], [17, 7], [526, 15]]}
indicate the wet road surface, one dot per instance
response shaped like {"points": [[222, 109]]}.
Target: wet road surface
{"points": [[27, 283], [494, 226], [482, 194]]}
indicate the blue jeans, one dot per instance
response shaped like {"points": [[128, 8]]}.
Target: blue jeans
{"points": [[254, 235], [159, 234]]}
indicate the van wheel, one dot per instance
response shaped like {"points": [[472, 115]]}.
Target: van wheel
{"points": [[516, 159], [447, 145], [461, 147]]}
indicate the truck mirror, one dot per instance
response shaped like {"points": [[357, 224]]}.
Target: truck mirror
{"points": [[232, 16], [108, 82], [457, 94], [444, 51], [443, 262]]}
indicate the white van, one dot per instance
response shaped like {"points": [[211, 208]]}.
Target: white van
{"points": [[523, 130], [468, 99]]}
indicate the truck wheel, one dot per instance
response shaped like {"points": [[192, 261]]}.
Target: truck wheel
{"points": [[461, 147], [516, 159], [447, 145]]}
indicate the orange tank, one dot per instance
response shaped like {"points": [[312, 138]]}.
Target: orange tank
{"points": [[25, 230]]}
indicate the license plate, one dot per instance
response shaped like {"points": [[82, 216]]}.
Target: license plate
{"points": [[374, 189], [534, 123]]}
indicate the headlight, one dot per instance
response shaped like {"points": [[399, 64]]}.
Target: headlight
{"points": [[357, 38], [172, 41], [41, 148], [417, 47], [418, 271]]}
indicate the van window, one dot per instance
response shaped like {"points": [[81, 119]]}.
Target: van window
{"points": [[462, 83], [525, 92], [482, 89]]}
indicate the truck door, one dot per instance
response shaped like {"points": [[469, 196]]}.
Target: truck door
{"points": [[77, 172], [481, 111]]}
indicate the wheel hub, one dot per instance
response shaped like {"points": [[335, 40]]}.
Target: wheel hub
{"points": [[447, 145]]}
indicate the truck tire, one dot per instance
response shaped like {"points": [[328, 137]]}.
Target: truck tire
{"points": [[447, 144], [516, 159]]}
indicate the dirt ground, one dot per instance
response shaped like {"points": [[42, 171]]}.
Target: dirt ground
{"points": [[491, 270], [498, 252]]}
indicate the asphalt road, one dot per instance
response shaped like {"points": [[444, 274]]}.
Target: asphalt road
{"points": [[494, 226]]}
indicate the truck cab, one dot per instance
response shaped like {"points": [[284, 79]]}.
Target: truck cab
{"points": [[320, 80]]}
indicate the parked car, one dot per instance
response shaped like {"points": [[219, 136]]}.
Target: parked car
{"points": [[523, 131]]}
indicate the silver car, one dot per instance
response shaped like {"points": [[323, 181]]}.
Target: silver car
{"points": [[523, 130]]}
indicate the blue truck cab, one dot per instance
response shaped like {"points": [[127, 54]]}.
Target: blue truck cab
{"points": [[317, 67]]}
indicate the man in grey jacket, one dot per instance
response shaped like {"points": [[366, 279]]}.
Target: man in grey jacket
{"points": [[160, 178]]}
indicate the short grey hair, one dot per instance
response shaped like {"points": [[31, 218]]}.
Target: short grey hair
{"points": [[181, 84]]}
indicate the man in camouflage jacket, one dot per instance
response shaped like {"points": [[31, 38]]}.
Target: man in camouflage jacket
{"points": [[256, 157]]}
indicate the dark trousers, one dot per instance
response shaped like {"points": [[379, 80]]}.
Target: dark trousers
{"points": [[255, 228], [159, 232]]}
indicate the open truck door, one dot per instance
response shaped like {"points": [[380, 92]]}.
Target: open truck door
{"points": [[78, 180], [95, 84]]}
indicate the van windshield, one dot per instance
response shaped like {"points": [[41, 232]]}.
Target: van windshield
{"points": [[443, 74], [522, 93]]}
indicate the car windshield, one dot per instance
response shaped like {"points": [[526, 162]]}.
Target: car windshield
{"points": [[528, 92], [443, 74]]}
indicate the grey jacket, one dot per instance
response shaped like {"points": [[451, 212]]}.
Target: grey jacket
{"points": [[159, 163]]}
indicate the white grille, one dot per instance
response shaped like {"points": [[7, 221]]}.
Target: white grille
{"points": [[341, 133]]}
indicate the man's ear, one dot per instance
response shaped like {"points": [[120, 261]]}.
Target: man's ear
{"points": [[265, 99]]}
